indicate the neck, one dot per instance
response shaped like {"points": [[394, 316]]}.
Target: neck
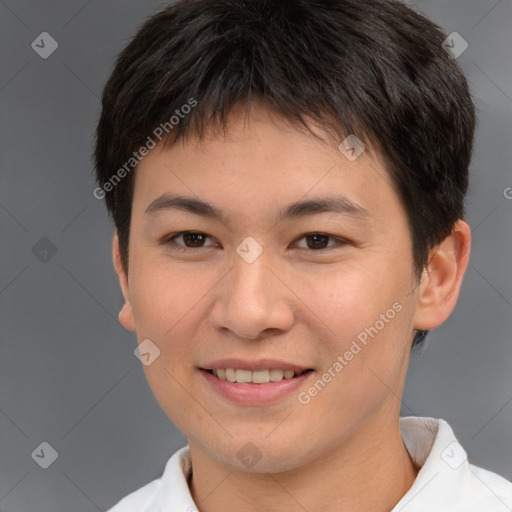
{"points": [[370, 471]]}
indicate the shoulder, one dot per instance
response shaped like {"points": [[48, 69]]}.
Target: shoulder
{"points": [[489, 491], [171, 488], [140, 500], [447, 480]]}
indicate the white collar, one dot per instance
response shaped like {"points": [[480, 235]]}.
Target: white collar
{"points": [[446, 480]]}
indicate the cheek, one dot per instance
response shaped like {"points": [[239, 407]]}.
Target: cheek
{"points": [[167, 305], [163, 293], [170, 304], [350, 298], [362, 315]]}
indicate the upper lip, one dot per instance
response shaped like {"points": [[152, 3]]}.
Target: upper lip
{"points": [[261, 364]]}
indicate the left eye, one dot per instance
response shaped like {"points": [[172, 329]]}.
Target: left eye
{"points": [[195, 240], [317, 241]]}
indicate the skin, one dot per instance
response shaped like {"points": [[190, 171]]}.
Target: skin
{"points": [[342, 450]]}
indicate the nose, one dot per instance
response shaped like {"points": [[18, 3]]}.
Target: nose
{"points": [[252, 302]]}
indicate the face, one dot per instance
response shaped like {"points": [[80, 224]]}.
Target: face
{"points": [[262, 286]]}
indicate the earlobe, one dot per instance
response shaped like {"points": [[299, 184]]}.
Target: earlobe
{"points": [[126, 317], [441, 281]]}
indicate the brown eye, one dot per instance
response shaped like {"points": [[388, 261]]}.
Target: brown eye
{"points": [[195, 239], [319, 241], [191, 240]]}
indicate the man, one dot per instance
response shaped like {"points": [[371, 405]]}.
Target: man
{"points": [[287, 183]]}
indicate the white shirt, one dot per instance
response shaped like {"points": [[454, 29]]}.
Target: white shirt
{"points": [[446, 482]]}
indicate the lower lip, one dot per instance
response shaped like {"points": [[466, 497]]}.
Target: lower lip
{"points": [[255, 394]]}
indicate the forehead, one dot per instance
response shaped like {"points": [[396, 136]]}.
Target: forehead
{"points": [[262, 164]]}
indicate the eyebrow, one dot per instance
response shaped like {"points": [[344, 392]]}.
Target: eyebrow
{"points": [[298, 209]]}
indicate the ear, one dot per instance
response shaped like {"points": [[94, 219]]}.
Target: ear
{"points": [[126, 317], [441, 280]]}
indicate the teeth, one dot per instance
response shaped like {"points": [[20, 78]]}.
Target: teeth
{"points": [[254, 377], [276, 374], [243, 376], [260, 376]]}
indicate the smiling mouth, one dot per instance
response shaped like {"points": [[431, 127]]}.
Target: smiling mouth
{"points": [[255, 377]]}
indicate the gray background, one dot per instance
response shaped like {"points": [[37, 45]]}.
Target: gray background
{"points": [[68, 375]]}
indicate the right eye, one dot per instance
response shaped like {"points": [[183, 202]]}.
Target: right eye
{"points": [[194, 238]]}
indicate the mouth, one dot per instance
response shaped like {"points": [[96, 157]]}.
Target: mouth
{"points": [[258, 377], [255, 383]]}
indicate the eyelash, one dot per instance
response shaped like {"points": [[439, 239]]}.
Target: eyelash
{"points": [[169, 241]]}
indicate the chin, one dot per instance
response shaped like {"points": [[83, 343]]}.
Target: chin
{"points": [[260, 455]]}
